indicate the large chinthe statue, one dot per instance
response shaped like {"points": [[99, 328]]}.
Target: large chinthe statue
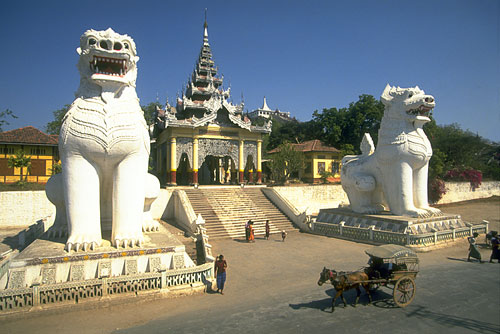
{"points": [[104, 147], [394, 175]]}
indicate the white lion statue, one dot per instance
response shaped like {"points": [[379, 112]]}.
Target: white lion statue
{"points": [[394, 176], [104, 147]]}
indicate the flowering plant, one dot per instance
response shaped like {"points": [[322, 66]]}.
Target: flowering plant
{"points": [[437, 189], [473, 176]]}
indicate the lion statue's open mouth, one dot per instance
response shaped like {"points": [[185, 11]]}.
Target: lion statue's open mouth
{"points": [[106, 56]]}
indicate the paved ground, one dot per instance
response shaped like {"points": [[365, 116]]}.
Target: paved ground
{"points": [[272, 288]]}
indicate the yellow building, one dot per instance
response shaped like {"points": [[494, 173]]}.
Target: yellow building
{"points": [[40, 147], [318, 158], [206, 139]]}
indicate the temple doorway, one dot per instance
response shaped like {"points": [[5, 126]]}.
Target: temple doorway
{"points": [[250, 172], [183, 171], [217, 170]]}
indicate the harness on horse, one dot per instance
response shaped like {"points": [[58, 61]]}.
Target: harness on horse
{"points": [[340, 275]]}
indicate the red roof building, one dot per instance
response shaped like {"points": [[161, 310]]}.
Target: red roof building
{"points": [[319, 158], [39, 146]]}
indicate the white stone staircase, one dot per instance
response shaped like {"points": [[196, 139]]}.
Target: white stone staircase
{"points": [[226, 210]]}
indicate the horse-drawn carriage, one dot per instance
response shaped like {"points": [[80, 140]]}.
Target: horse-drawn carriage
{"points": [[389, 265]]}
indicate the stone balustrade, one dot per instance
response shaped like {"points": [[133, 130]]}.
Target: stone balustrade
{"points": [[166, 281], [420, 241]]}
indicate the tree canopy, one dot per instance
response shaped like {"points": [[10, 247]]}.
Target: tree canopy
{"points": [[3, 116], [285, 162], [20, 160], [346, 126]]}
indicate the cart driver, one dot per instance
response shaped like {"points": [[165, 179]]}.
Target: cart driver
{"points": [[379, 269]]}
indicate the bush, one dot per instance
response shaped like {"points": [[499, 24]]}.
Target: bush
{"points": [[471, 175], [325, 175], [437, 189]]}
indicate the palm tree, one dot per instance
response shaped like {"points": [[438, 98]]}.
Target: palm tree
{"points": [[20, 160]]}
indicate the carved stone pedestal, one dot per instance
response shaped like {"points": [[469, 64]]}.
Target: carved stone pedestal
{"points": [[385, 228]]}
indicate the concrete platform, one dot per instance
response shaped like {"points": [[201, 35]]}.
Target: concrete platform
{"points": [[46, 262], [422, 234], [386, 221]]}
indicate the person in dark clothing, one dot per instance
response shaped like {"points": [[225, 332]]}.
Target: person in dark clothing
{"points": [[247, 230], [495, 243], [268, 229], [220, 272]]}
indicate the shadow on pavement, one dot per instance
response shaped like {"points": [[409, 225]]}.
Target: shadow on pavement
{"points": [[455, 259], [379, 299], [323, 305], [454, 321]]}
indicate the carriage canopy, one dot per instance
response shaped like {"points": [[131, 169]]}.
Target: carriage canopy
{"points": [[391, 252]]}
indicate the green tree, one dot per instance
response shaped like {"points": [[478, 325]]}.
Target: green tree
{"points": [[56, 168], [455, 148], [3, 116], [54, 127], [149, 111], [338, 127], [20, 160], [285, 162]]}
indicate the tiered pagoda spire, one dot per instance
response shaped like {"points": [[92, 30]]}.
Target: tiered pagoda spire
{"points": [[204, 100], [204, 89]]}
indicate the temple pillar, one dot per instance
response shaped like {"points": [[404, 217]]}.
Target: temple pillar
{"points": [[259, 161], [195, 161], [241, 165], [173, 160]]}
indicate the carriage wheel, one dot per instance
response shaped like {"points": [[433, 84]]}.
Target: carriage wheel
{"points": [[404, 291]]}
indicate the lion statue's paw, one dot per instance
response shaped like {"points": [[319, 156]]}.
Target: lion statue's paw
{"points": [[57, 231], [83, 241], [372, 209], [433, 211], [417, 213], [128, 240], [150, 225]]}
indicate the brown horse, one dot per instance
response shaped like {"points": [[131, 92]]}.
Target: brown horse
{"points": [[345, 281]]}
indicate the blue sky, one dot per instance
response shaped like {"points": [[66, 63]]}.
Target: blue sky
{"points": [[302, 55]]}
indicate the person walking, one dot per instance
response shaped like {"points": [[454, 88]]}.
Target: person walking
{"points": [[473, 250], [283, 235], [247, 230], [495, 252], [251, 232], [268, 229], [220, 272]]}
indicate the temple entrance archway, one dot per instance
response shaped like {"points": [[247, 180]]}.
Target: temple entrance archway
{"points": [[217, 170], [249, 170], [184, 171]]}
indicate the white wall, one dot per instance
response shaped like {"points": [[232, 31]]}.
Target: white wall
{"points": [[24, 208], [315, 197]]}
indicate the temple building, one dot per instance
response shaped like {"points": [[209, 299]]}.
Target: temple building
{"points": [[206, 139], [266, 112]]}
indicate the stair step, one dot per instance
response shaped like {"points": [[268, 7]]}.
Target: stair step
{"points": [[226, 211]]}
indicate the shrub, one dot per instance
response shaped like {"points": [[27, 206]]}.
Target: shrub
{"points": [[437, 189], [474, 177]]}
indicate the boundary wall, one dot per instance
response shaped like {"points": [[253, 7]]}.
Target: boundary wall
{"points": [[24, 208]]}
